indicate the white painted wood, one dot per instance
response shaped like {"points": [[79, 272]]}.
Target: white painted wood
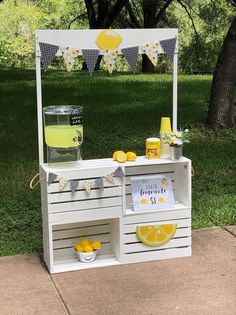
{"points": [[86, 38], [82, 225], [175, 90], [82, 231], [140, 247], [88, 215], [157, 216], [83, 195], [149, 169], [74, 264], [158, 255], [178, 207], [85, 205], [182, 223]]}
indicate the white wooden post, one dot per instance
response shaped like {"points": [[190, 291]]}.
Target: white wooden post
{"points": [[39, 102], [175, 94]]}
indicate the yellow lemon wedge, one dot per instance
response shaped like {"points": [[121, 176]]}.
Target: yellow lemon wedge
{"points": [[131, 156], [96, 245], [156, 235], [161, 200], [108, 39], [116, 153], [121, 157]]}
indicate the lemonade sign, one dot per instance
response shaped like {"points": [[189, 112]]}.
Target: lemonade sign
{"points": [[152, 192]]}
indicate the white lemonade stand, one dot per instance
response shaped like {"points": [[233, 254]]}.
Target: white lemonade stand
{"points": [[108, 214]]}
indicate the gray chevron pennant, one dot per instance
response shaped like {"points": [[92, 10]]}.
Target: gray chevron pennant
{"points": [[119, 172], [131, 54], [48, 52], [168, 46], [51, 177], [73, 185], [99, 183], [91, 57]]}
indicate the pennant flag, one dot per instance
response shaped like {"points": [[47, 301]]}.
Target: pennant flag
{"points": [[110, 56], [119, 172], [91, 57], [168, 46], [62, 183], [151, 51], [51, 177], [131, 54], [110, 178], [48, 52], [88, 186], [69, 54], [73, 185], [99, 183]]}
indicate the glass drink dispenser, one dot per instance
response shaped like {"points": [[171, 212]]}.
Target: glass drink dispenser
{"points": [[63, 131]]}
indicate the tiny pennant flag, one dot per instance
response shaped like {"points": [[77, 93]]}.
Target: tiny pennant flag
{"points": [[51, 177], [99, 183], [110, 178], [62, 183], [151, 51], [168, 46], [91, 57], [131, 54], [73, 185], [69, 54], [119, 172], [110, 56], [88, 186], [48, 52]]}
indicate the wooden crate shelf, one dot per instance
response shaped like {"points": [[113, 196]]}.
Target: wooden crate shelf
{"points": [[108, 215]]}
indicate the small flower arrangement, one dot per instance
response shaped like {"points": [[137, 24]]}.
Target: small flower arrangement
{"points": [[86, 250], [177, 139]]}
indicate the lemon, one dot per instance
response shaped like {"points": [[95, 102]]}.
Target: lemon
{"points": [[161, 200], [96, 245], [121, 157], [88, 248], [78, 247], [131, 156], [116, 153], [156, 235], [85, 242]]}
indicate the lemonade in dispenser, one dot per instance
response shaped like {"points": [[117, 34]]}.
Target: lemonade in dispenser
{"points": [[63, 131]]}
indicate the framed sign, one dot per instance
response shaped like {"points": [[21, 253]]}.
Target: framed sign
{"points": [[152, 192]]}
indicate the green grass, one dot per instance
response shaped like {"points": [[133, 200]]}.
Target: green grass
{"points": [[120, 112]]}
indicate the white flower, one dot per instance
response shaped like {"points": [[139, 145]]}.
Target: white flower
{"points": [[186, 130]]}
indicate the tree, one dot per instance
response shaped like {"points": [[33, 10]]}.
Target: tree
{"points": [[221, 107]]}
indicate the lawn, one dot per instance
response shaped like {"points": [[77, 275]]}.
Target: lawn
{"points": [[120, 112]]}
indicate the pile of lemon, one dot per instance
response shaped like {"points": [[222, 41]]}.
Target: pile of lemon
{"points": [[86, 246], [121, 156]]}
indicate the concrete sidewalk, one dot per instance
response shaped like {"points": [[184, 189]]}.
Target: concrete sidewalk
{"points": [[202, 284]]}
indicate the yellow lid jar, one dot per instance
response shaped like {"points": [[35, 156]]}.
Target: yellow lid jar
{"points": [[153, 148]]}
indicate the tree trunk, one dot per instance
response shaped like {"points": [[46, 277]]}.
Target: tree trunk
{"points": [[221, 107]]}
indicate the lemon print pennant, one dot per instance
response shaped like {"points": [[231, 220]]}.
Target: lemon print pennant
{"points": [[164, 182], [156, 235], [108, 39]]}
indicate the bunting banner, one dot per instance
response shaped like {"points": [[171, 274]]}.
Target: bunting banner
{"points": [[168, 46], [99, 183], [73, 185], [91, 57], [51, 177], [110, 56], [48, 52], [119, 172], [151, 50], [110, 178], [131, 54], [69, 54]]}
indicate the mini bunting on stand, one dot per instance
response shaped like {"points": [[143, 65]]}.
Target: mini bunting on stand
{"points": [[131, 54], [119, 172], [91, 57], [73, 185], [62, 183], [48, 52], [110, 178], [110, 56], [69, 54], [99, 183], [151, 51], [88, 186], [51, 177], [168, 46]]}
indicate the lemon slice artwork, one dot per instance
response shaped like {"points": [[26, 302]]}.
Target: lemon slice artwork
{"points": [[108, 39], [156, 235]]}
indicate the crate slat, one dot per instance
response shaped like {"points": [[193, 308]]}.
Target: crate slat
{"points": [[81, 231]]}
